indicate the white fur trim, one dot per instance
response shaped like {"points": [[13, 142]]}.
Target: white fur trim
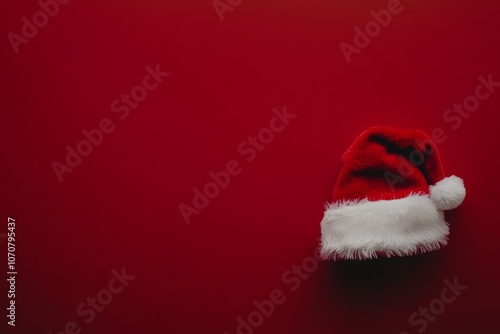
{"points": [[448, 193], [366, 229]]}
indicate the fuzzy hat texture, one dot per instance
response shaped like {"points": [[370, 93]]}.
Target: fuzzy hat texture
{"points": [[389, 198]]}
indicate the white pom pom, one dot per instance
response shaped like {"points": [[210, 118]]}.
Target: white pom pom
{"points": [[448, 193]]}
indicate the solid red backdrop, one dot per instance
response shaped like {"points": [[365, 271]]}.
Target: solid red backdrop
{"points": [[254, 241]]}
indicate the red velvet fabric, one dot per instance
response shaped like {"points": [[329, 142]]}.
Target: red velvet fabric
{"points": [[388, 163]]}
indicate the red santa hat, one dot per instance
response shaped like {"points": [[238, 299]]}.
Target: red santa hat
{"points": [[389, 198]]}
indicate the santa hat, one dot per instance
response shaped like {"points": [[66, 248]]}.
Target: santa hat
{"points": [[389, 198]]}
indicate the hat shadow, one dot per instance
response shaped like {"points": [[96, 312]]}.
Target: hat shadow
{"points": [[384, 282]]}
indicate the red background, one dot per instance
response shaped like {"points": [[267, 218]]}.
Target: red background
{"points": [[119, 208]]}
